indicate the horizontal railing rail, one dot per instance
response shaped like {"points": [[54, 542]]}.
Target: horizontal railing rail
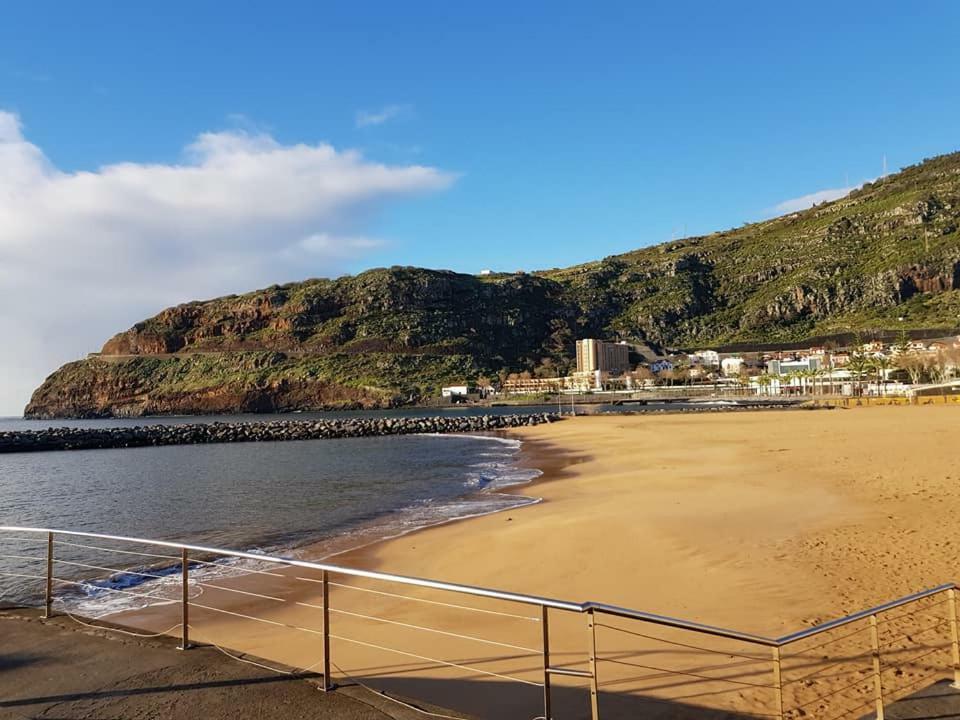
{"points": [[291, 562], [813, 662], [862, 615]]}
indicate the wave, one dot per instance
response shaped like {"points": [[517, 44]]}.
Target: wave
{"points": [[493, 468]]}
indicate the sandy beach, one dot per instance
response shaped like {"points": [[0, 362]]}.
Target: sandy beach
{"points": [[763, 522]]}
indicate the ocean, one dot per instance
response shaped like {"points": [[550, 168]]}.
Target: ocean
{"points": [[275, 498]]}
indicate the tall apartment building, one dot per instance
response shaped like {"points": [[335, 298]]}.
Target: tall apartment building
{"points": [[606, 357]]}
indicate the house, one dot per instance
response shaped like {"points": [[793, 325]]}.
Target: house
{"points": [[839, 360], [786, 367], [709, 358], [731, 366], [455, 391], [659, 366]]}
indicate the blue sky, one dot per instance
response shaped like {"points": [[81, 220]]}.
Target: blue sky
{"points": [[155, 153], [578, 130]]}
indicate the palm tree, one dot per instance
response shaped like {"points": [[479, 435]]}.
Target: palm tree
{"points": [[764, 382], [797, 375], [815, 375], [882, 364], [859, 365]]}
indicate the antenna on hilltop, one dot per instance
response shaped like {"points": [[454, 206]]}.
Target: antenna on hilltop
{"points": [[884, 165]]}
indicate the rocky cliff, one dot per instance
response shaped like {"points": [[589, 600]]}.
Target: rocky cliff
{"points": [[889, 250]]}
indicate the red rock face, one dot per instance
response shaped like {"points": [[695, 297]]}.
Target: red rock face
{"points": [[925, 280]]}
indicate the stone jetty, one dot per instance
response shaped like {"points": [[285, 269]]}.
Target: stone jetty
{"points": [[73, 438]]}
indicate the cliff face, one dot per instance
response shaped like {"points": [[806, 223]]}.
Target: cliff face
{"points": [[890, 250]]}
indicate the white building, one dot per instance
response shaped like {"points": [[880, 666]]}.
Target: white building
{"points": [[785, 367], [454, 391], [709, 358], [731, 366]]}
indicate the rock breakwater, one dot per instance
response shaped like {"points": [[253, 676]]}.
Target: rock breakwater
{"points": [[71, 438]]}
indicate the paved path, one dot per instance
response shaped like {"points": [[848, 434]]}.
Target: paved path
{"points": [[59, 670]]}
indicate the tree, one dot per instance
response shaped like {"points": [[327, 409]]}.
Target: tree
{"points": [[913, 364], [546, 369], [859, 365], [903, 344], [642, 375], [560, 339], [940, 366], [816, 375], [798, 376], [882, 365], [484, 385], [764, 381], [952, 357]]}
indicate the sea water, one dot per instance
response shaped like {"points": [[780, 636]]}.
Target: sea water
{"points": [[274, 498]]}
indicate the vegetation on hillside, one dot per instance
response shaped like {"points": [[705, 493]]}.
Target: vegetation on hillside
{"points": [[885, 257]]}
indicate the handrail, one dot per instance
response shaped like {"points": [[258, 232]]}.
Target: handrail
{"points": [[863, 614], [368, 574], [583, 607], [680, 624]]}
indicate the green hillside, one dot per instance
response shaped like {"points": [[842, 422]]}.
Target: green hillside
{"points": [[885, 257]]}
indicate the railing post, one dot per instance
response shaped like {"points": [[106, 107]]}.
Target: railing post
{"points": [[48, 592], [877, 679], [545, 627], [592, 657], [777, 684], [954, 636], [327, 684], [184, 600]]}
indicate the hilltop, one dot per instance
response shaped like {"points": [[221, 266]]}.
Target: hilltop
{"points": [[887, 256]]}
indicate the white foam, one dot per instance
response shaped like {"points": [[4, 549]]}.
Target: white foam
{"points": [[483, 484]]}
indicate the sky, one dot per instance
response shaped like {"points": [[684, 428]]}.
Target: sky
{"points": [[152, 154]]}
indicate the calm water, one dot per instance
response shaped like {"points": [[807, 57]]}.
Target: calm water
{"points": [[273, 497]]}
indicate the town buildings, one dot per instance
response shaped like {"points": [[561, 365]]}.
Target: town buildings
{"points": [[786, 367], [731, 365], [606, 357]]}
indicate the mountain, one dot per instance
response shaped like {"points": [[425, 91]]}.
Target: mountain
{"points": [[887, 256]]}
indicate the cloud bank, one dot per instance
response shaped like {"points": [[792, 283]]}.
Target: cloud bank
{"points": [[86, 254]]}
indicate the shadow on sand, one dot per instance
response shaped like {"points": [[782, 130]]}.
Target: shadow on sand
{"points": [[498, 699]]}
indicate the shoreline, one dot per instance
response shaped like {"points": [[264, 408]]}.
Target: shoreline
{"points": [[764, 523], [322, 550], [534, 456]]}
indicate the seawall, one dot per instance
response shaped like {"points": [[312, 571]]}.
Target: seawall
{"points": [[69, 438]]}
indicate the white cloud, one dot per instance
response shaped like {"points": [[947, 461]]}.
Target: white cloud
{"points": [[366, 118], [86, 254], [808, 201]]}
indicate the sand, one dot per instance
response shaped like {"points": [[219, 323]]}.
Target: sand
{"points": [[764, 522]]}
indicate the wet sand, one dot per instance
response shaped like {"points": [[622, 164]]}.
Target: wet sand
{"points": [[763, 522]]}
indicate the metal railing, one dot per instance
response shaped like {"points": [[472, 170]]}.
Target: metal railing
{"points": [[803, 673]]}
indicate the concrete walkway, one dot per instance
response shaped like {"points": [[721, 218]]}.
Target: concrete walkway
{"points": [[60, 670]]}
